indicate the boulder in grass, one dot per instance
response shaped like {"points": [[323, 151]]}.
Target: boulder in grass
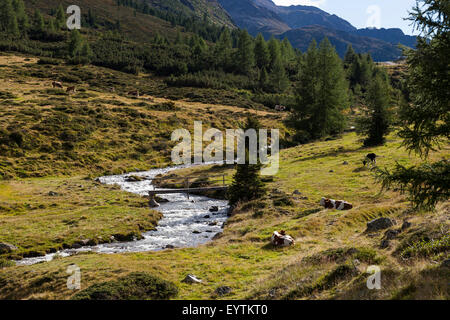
{"points": [[222, 291], [379, 224], [281, 239], [6, 247]]}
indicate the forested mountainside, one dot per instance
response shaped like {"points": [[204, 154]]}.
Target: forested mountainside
{"points": [[302, 23]]}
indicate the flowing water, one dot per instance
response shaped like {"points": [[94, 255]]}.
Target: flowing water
{"points": [[185, 223]]}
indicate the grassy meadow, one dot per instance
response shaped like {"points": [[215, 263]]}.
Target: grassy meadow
{"points": [[49, 198]]}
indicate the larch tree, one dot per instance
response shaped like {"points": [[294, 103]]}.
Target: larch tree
{"points": [[322, 94], [426, 120]]}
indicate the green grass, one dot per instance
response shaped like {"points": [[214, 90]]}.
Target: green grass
{"points": [[82, 210], [114, 134], [135, 286]]}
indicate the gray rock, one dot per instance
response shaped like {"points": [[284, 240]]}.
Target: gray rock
{"points": [[406, 225], [214, 209], [6, 247], [391, 234], [196, 232], [190, 278], [84, 242], [169, 246], [224, 290], [379, 224], [207, 216], [76, 246], [217, 236], [384, 244], [153, 203], [53, 194], [214, 223]]}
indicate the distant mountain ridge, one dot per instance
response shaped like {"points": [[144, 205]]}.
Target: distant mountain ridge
{"points": [[300, 24]]}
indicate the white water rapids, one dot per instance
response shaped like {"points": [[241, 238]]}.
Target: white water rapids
{"points": [[185, 223]]}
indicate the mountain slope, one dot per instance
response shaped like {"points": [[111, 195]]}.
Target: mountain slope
{"points": [[138, 26], [301, 24], [199, 8], [247, 14], [300, 16], [380, 50], [393, 35]]}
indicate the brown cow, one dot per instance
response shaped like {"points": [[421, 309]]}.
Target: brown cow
{"points": [[281, 239], [57, 84], [71, 90]]}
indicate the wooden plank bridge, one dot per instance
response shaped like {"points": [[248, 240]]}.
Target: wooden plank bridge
{"points": [[187, 189]]}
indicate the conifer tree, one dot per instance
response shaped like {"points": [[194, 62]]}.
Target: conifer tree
{"points": [[321, 94], [274, 50], [60, 17], [75, 44], [245, 55], [247, 184], [38, 22], [22, 17], [426, 120], [8, 19], [263, 80], [223, 50], [278, 77], [376, 120], [262, 55]]}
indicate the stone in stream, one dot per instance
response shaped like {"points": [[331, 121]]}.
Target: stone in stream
{"points": [[6, 247], [153, 203], [190, 278], [207, 216], [214, 209], [196, 232]]}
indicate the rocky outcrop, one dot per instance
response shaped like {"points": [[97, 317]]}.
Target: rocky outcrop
{"points": [[6, 248], [222, 291], [379, 224]]}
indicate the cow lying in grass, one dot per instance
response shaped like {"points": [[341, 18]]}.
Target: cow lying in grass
{"points": [[281, 239], [57, 84], [335, 204]]}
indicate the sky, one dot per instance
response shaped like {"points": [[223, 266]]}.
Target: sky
{"points": [[365, 13]]}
